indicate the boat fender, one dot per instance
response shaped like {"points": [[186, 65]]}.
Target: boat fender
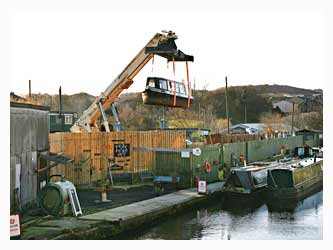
{"points": [[241, 157], [207, 167]]}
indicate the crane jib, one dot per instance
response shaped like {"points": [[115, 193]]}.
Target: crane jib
{"points": [[162, 45]]}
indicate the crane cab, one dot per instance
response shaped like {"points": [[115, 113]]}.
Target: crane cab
{"points": [[160, 91]]}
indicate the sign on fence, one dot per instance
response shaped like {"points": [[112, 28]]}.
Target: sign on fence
{"points": [[121, 150], [197, 151], [185, 154]]}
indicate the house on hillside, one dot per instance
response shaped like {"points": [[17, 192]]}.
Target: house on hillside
{"points": [[286, 106], [302, 104], [312, 103]]}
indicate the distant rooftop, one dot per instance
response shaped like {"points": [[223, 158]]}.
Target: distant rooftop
{"points": [[253, 128]]}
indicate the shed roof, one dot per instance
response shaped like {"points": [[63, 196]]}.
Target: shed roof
{"points": [[28, 105], [262, 127], [255, 127]]}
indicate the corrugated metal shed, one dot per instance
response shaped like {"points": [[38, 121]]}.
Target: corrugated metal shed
{"points": [[28, 136], [28, 128]]}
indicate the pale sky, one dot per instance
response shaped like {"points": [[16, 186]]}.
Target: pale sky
{"points": [[84, 50]]}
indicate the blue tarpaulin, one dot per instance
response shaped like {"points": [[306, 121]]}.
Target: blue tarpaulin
{"points": [[168, 179]]}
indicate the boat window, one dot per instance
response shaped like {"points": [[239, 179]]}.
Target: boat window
{"points": [[260, 178], [177, 87], [151, 83], [182, 89], [173, 86], [163, 84], [300, 151]]}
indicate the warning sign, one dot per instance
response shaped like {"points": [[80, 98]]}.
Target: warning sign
{"points": [[15, 227], [202, 187]]}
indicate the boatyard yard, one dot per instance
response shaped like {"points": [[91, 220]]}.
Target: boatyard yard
{"points": [[176, 147], [156, 175]]}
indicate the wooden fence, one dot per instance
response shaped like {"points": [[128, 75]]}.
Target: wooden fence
{"points": [[217, 138], [93, 152]]}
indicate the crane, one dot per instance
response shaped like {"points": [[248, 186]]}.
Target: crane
{"points": [[162, 44]]}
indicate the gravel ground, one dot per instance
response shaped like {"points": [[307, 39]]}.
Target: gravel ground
{"points": [[89, 199]]}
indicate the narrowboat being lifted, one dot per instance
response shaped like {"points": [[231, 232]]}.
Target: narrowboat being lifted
{"points": [[161, 91]]}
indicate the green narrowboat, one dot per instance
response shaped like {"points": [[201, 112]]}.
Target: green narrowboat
{"points": [[295, 181], [161, 92], [246, 184]]}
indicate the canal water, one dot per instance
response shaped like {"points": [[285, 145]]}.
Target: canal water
{"points": [[298, 221]]}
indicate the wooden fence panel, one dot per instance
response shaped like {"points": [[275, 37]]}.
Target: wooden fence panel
{"points": [[93, 152]]}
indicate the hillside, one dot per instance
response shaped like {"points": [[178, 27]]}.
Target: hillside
{"points": [[285, 90], [208, 108], [70, 103], [280, 90]]}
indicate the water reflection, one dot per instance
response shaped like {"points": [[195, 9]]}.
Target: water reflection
{"points": [[293, 220]]}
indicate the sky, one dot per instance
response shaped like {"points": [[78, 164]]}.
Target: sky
{"points": [[84, 49]]}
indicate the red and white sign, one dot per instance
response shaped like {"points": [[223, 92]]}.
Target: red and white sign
{"points": [[15, 227], [202, 187]]}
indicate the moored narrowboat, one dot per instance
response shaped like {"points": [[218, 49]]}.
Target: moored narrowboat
{"points": [[161, 91], [246, 182], [295, 181], [249, 184]]}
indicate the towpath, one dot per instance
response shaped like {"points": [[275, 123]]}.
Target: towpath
{"points": [[111, 222]]}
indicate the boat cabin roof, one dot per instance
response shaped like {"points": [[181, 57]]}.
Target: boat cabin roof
{"points": [[299, 164]]}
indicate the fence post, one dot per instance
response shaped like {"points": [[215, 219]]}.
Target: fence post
{"points": [[222, 151], [247, 151], [191, 168]]}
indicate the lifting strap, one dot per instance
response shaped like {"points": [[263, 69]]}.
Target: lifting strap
{"points": [[174, 82], [188, 87]]}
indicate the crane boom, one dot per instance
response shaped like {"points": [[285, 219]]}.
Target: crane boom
{"points": [[162, 45]]}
